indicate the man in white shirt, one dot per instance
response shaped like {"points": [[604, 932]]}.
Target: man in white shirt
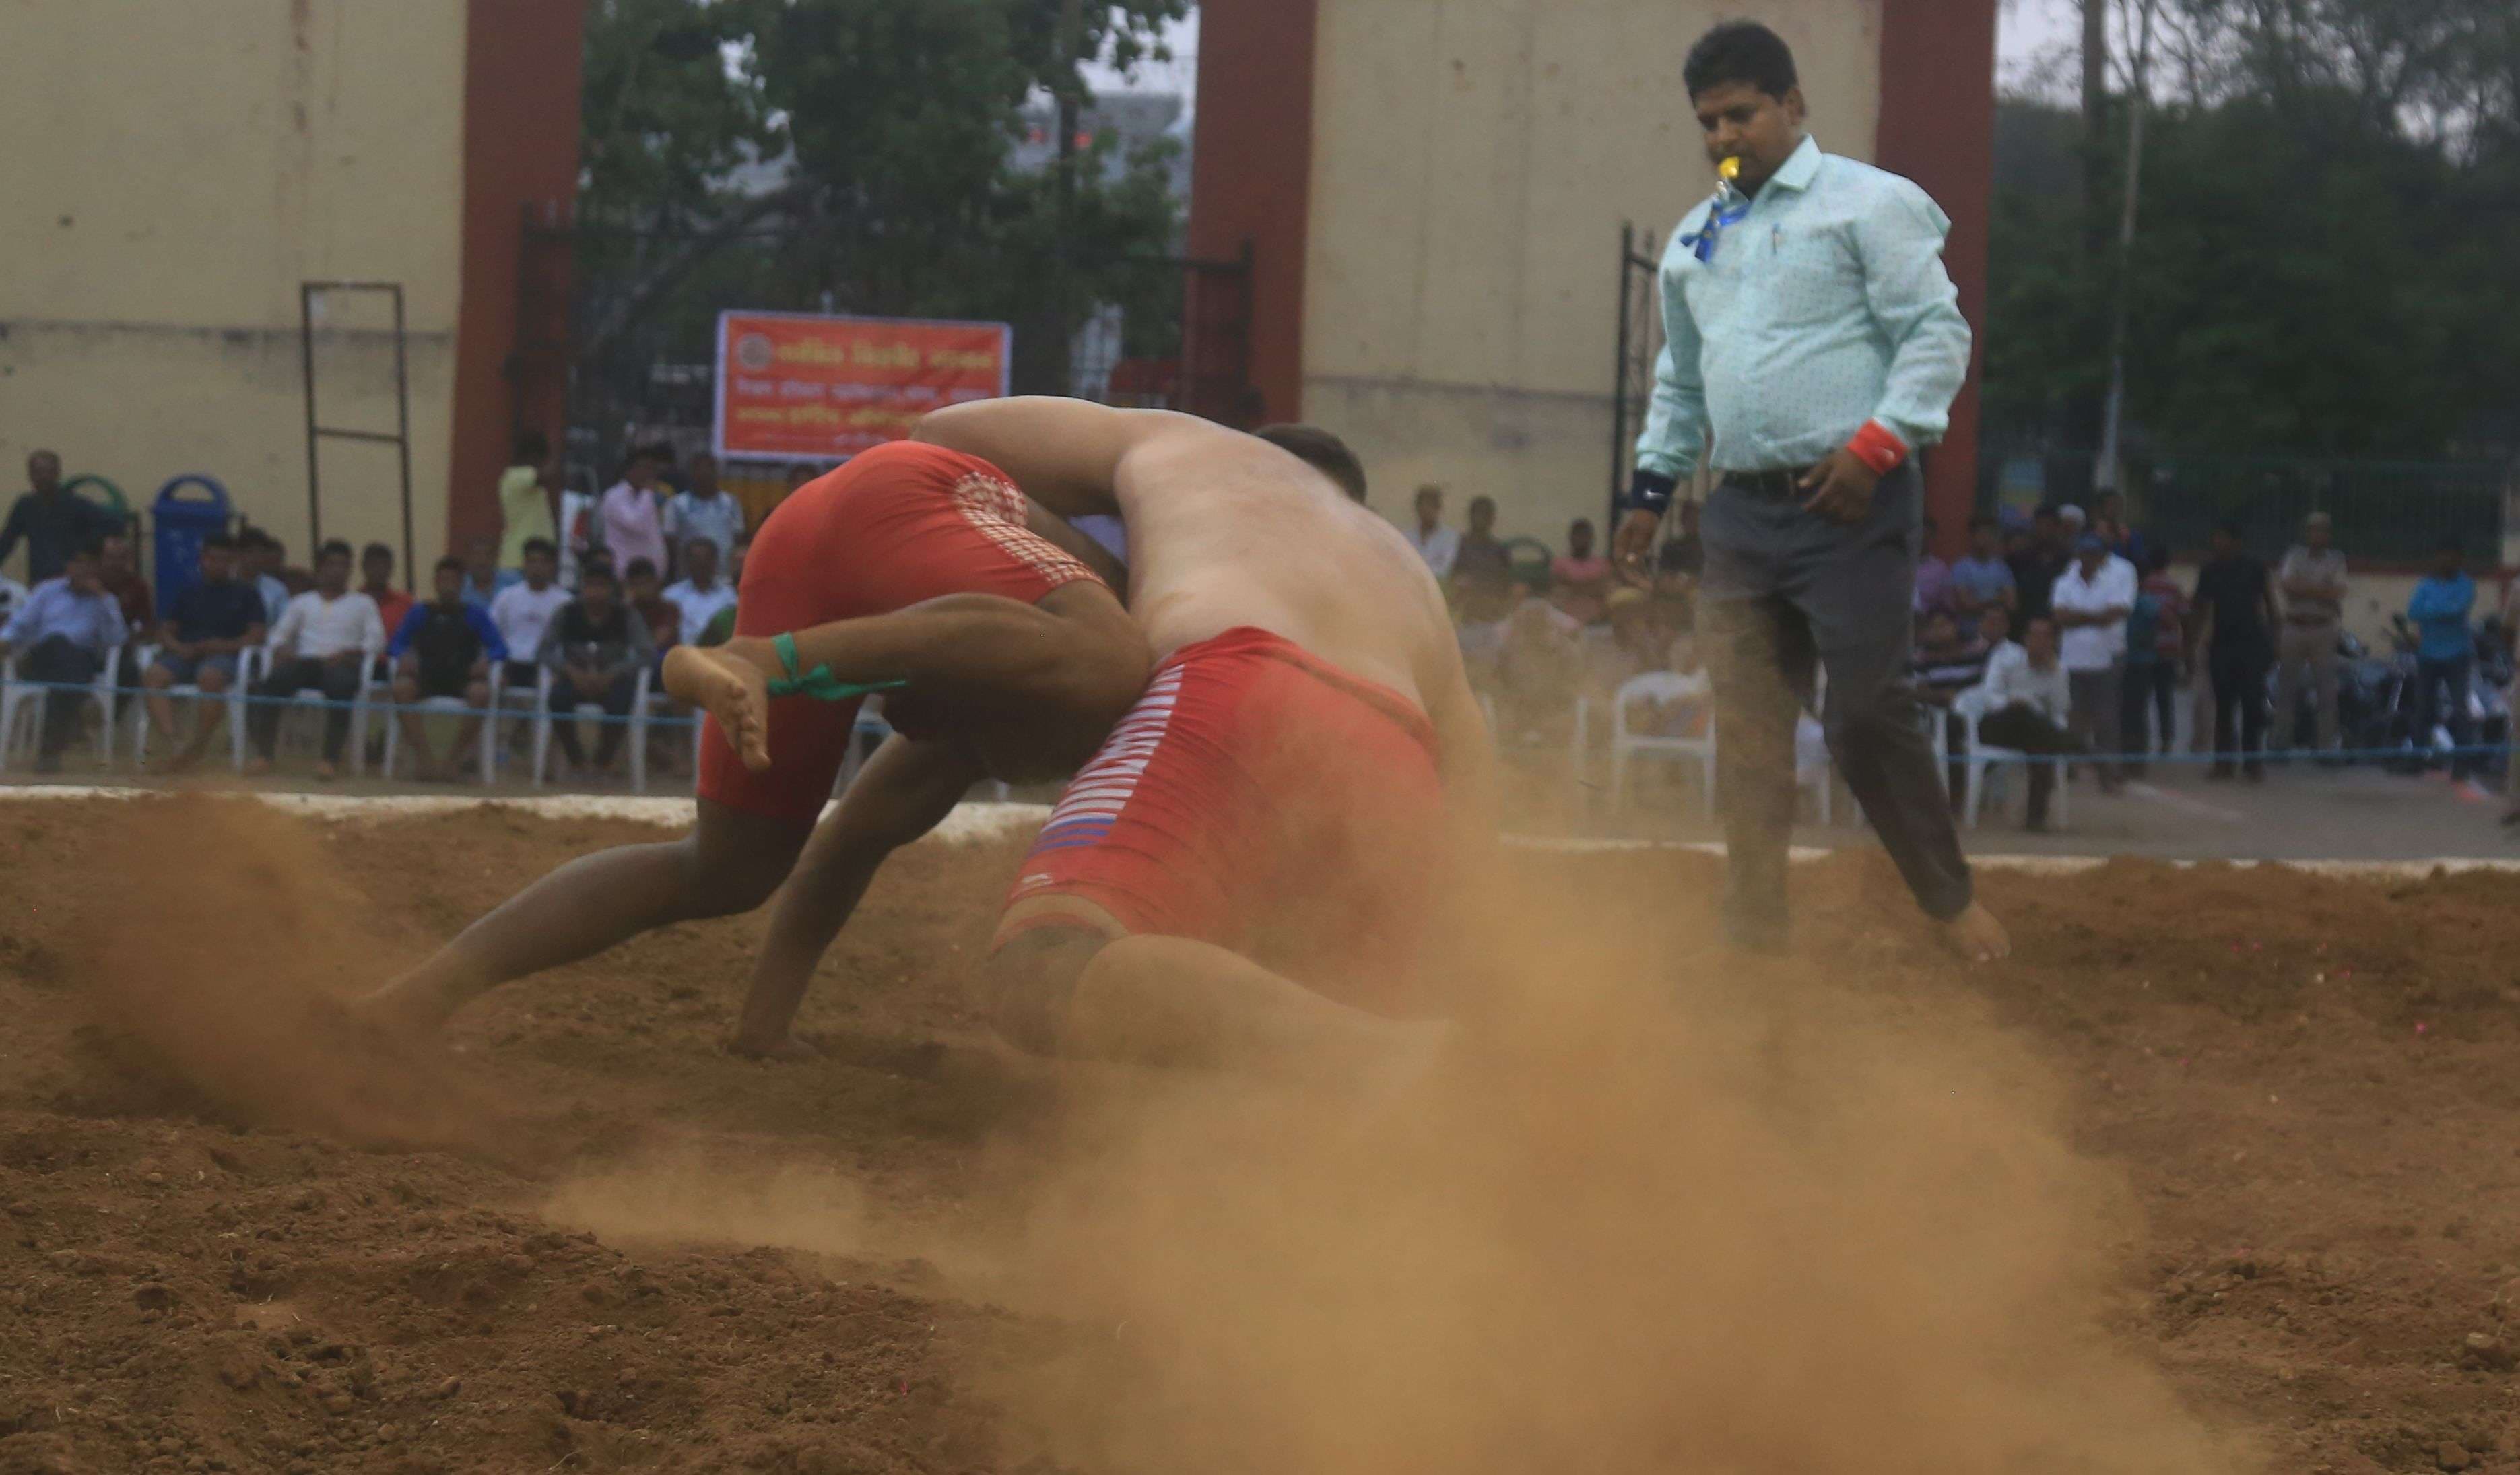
{"points": [[1435, 543], [325, 639], [2091, 600], [633, 514], [2028, 703], [707, 510], [702, 594], [523, 611]]}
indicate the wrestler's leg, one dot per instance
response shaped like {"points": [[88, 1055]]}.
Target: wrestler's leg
{"points": [[1172, 1001], [731, 861], [904, 791], [1072, 663]]}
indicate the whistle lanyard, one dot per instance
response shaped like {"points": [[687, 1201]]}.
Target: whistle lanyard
{"points": [[1718, 214]]}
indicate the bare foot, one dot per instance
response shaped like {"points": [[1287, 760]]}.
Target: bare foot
{"points": [[786, 1049], [735, 692], [1976, 936]]}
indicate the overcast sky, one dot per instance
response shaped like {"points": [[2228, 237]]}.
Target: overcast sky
{"points": [[2027, 31]]}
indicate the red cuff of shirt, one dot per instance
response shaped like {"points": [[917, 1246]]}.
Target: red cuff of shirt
{"points": [[1878, 448]]}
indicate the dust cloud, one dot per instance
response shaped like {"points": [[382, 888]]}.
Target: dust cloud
{"points": [[218, 962], [690, 1192], [1785, 1225]]}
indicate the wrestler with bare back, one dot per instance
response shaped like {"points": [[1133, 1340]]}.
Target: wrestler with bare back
{"points": [[1244, 873]]}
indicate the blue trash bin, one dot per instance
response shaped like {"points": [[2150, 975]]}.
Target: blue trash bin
{"points": [[178, 524]]}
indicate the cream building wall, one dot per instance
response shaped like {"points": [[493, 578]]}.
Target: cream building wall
{"points": [[1472, 161], [173, 170]]}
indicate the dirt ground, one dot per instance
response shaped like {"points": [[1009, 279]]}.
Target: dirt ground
{"points": [[2219, 1174]]}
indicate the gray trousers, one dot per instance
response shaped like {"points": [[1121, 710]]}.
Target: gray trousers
{"points": [[2100, 708], [2301, 647], [1783, 590]]}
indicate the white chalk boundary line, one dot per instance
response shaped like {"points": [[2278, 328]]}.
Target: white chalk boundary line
{"points": [[986, 821]]}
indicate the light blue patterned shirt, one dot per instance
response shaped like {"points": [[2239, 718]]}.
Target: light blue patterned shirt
{"points": [[91, 621], [1824, 306]]}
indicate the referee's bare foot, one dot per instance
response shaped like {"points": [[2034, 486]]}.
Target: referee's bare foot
{"points": [[734, 691], [1976, 936]]}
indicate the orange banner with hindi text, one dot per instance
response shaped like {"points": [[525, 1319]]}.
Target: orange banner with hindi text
{"points": [[800, 387]]}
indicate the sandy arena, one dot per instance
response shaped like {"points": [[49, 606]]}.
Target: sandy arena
{"points": [[2182, 1187]]}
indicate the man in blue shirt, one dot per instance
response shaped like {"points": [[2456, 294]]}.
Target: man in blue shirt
{"points": [[261, 555], [2440, 609], [444, 648], [212, 625], [1982, 580], [1812, 332], [68, 629]]}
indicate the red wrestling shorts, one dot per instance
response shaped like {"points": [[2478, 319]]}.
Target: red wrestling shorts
{"points": [[1263, 800], [894, 526]]}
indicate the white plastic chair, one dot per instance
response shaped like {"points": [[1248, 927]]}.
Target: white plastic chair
{"points": [[1812, 768], [521, 706], [1973, 705], [653, 706], [312, 699], [1627, 742], [232, 698], [637, 736], [486, 758], [22, 706], [1934, 722]]}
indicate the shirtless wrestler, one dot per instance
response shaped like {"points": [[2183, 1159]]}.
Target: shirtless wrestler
{"points": [[1244, 873]]}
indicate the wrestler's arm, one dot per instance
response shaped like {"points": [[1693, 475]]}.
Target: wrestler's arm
{"points": [[1063, 535], [1466, 756], [1466, 950], [1464, 748], [1064, 453]]}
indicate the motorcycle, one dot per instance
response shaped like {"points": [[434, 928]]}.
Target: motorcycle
{"points": [[2399, 698]]}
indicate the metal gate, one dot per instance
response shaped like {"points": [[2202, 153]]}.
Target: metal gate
{"points": [[1640, 345], [1184, 343]]}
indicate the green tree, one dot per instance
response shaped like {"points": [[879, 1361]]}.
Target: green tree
{"points": [[887, 125], [2330, 202]]}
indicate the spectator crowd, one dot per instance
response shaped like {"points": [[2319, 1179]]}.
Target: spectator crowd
{"points": [[576, 601], [2055, 635], [2060, 635]]}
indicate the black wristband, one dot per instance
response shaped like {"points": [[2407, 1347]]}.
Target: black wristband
{"points": [[1650, 491]]}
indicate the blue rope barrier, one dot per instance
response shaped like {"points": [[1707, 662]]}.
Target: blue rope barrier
{"points": [[383, 705], [674, 720]]}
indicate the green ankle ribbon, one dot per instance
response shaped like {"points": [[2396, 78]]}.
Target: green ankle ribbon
{"points": [[819, 684]]}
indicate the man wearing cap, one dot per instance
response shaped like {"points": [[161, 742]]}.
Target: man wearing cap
{"points": [[2091, 600], [2311, 577], [1811, 329]]}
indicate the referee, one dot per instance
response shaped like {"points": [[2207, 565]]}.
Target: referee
{"points": [[1809, 325]]}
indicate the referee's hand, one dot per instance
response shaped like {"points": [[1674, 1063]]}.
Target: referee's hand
{"points": [[1840, 487], [1632, 546]]}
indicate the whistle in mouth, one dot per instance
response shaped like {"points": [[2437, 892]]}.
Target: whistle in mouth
{"points": [[1729, 170]]}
